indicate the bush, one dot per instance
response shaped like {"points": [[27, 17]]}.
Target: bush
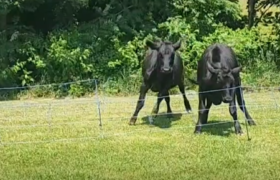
{"points": [[108, 44], [248, 45]]}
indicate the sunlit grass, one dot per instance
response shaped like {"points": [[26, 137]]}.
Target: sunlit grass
{"points": [[62, 139]]}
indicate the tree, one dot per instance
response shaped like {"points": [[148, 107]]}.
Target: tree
{"points": [[258, 10]]}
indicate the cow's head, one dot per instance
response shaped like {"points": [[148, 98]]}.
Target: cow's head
{"points": [[166, 54], [224, 79]]}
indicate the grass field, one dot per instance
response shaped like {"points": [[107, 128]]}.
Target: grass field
{"points": [[61, 139]]}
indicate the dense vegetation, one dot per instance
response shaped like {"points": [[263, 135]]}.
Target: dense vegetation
{"points": [[51, 41]]}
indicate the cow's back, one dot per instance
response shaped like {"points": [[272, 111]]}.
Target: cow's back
{"points": [[227, 56], [201, 65], [149, 63], [220, 56], [178, 68]]}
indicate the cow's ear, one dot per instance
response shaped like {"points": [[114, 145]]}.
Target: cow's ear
{"points": [[152, 45], [177, 45], [236, 70]]}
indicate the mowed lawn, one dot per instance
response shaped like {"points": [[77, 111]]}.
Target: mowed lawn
{"points": [[62, 139]]}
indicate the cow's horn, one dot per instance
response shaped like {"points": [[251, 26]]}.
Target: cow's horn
{"points": [[212, 69]]}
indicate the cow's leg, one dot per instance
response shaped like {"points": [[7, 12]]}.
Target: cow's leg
{"points": [[203, 112], [233, 113], [159, 99], [167, 100], [206, 112], [141, 100], [241, 103], [186, 101]]}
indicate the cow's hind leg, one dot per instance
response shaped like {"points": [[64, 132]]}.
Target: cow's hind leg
{"points": [[233, 113], [186, 101], [141, 100], [241, 103], [167, 100]]}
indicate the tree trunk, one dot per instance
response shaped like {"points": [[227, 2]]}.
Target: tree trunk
{"points": [[251, 12]]}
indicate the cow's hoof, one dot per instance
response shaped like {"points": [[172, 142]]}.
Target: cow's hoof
{"points": [[240, 133], [154, 114], [251, 122], [154, 111], [197, 132], [189, 111], [132, 121]]}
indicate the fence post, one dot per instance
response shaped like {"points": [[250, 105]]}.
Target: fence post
{"points": [[1, 143], [98, 105], [273, 97], [243, 106], [49, 117]]}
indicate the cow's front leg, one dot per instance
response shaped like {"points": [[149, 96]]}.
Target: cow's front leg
{"points": [[156, 107], [141, 100], [186, 101], [206, 112], [241, 103], [203, 113], [233, 113], [167, 100]]}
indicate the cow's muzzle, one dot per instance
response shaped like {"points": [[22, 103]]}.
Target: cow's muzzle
{"points": [[166, 70], [227, 99]]}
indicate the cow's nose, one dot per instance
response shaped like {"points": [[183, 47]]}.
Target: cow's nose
{"points": [[227, 99], [166, 69]]}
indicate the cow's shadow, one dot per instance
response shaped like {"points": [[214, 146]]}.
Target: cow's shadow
{"points": [[218, 128], [162, 121]]}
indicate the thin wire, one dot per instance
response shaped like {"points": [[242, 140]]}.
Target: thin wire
{"points": [[46, 85], [105, 101], [68, 140], [49, 114]]}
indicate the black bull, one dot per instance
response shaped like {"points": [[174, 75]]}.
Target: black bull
{"points": [[218, 71], [162, 69]]}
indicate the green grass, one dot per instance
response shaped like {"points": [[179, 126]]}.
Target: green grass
{"points": [[69, 143]]}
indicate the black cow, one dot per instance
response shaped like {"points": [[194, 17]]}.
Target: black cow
{"points": [[162, 69], [218, 71]]}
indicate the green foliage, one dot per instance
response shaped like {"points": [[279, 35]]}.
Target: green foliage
{"points": [[28, 60], [105, 40], [66, 63], [203, 15]]}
